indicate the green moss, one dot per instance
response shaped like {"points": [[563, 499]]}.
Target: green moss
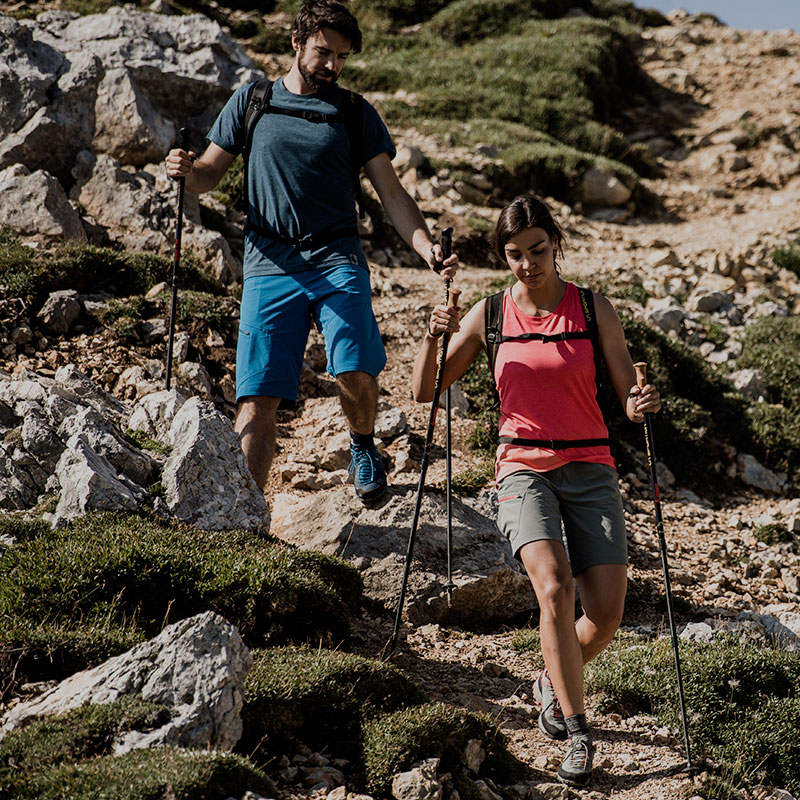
{"points": [[150, 775], [33, 275], [774, 533], [742, 703], [85, 732], [392, 743], [126, 572], [317, 697], [471, 480], [22, 529], [526, 640], [787, 258], [220, 313], [144, 442], [229, 190], [771, 345]]}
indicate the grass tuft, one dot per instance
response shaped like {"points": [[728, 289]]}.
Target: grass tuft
{"points": [[393, 742], [109, 578], [741, 699], [317, 697]]}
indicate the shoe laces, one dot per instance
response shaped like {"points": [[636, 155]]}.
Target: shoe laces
{"points": [[557, 712], [578, 753], [362, 462]]}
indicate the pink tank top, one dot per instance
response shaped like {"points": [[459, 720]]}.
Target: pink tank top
{"points": [[547, 390]]}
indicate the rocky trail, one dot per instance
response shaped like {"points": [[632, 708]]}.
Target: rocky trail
{"points": [[723, 196], [728, 145]]}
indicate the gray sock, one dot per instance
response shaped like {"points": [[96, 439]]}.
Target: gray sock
{"points": [[577, 726]]}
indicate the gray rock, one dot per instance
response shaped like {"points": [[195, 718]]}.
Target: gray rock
{"points": [[36, 207], [754, 474], [196, 667], [749, 382], [60, 311], [206, 479], [194, 379], [602, 188], [21, 478], [89, 483], [41, 441], [127, 126], [665, 314], [419, 783], [104, 440], [51, 137], [116, 82], [489, 586], [81, 387], [153, 414]]}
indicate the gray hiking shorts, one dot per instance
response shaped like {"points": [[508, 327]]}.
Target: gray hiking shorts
{"points": [[578, 502]]}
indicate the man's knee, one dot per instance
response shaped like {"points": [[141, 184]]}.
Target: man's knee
{"points": [[255, 414]]}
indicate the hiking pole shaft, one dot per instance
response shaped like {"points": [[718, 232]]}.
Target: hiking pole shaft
{"points": [[183, 143], [447, 248], [452, 300], [641, 380]]}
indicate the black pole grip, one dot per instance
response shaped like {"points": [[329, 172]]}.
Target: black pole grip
{"points": [[184, 135], [447, 248]]}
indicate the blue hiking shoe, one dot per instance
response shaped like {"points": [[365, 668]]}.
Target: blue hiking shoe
{"points": [[369, 477]]}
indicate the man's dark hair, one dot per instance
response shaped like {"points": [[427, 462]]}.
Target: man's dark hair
{"points": [[314, 15]]}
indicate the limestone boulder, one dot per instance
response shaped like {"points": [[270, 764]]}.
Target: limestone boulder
{"points": [[36, 207], [489, 585], [196, 667]]}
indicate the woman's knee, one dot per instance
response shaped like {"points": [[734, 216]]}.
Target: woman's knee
{"points": [[606, 618], [556, 595]]}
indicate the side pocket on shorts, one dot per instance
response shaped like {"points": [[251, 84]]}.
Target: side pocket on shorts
{"points": [[509, 507]]}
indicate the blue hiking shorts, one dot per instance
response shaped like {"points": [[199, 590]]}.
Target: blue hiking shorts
{"points": [[275, 320]]}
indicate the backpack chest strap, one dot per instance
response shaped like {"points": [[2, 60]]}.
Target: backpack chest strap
{"points": [[493, 336]]}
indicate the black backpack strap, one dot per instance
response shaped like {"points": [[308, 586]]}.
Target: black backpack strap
{"points": [[493, 329], [353, 113], [587, 304], [258, 97]]}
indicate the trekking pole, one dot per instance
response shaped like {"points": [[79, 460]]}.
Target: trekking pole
{"points": [[641, 380], [183, 144], [447, 248], [452, 300]]}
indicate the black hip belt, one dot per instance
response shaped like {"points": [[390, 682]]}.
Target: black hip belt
{"points": [[554, 444], [310, 242]]}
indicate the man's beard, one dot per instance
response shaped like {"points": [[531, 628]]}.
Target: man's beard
{"points": [[312, 79]]}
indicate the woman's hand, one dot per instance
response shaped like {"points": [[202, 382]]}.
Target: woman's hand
{"points": [[443, 320], [642, 401]]}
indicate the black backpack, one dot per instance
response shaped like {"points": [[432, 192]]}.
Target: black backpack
{"points": [[258, 98], [493, 323]]}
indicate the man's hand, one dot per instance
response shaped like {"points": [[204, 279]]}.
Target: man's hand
{"points": [[447, 267], [179, 162]]}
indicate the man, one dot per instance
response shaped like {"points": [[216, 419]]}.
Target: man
{"points": [[303, 258]]}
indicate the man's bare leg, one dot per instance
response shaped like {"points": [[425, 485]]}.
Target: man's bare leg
{"points": [[255, 424], [358, 393]]}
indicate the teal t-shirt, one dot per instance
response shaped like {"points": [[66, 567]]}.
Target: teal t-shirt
{"points": [[300, 180]]}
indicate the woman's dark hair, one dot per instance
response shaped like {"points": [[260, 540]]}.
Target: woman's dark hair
{"points": [[525, 212], [314, 15]]}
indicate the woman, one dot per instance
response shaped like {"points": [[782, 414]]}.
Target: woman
{"points": [[553, 464]]}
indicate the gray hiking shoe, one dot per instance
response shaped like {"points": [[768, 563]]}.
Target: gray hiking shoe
{"points": [[551, 718], [576, 768]]}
